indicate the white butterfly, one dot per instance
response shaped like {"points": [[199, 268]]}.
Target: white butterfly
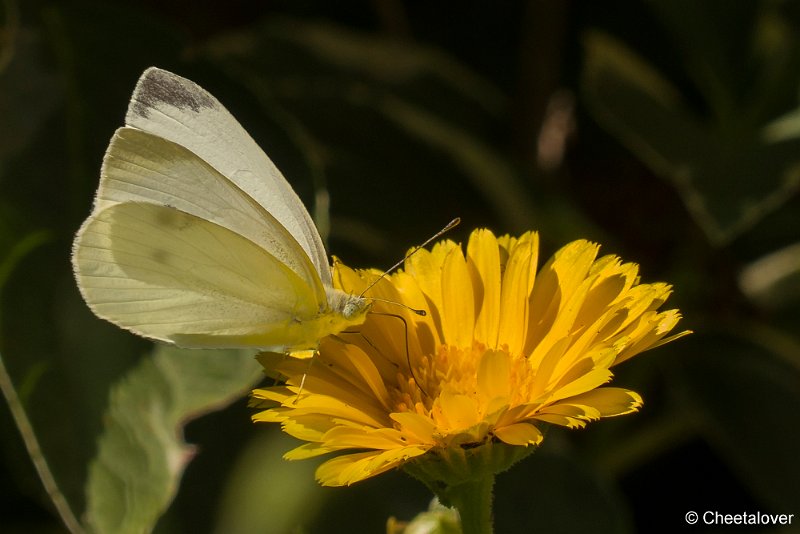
{"points": [[197, 239]]}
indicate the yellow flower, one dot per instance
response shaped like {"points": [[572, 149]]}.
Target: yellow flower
{"points": [[501, 349]]}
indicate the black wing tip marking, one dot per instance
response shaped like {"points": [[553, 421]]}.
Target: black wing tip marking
{"points": [[157, 86]]}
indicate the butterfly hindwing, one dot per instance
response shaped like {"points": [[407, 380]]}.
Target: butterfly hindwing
{"points": [[164, 273]]}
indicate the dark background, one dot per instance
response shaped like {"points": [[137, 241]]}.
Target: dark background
{"points": [[664, 130]]}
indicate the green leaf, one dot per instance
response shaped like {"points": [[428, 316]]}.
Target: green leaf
{"points": [[773, 280], [715, 49], [141, 454], [747, 402], [731, 169]]}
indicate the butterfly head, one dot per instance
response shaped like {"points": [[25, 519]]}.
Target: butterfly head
{"points": [[352, 308], [355, 307]]}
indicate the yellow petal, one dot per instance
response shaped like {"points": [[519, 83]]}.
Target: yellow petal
{"points": [[564, 325], [426, 268], [555, 286], [561, 420], [339, 471], [600, 296], [458, 302], [494, 373], [519, 434], [417, 426], [343, 437], [349, 468], [570, 410], [518, 282], [649, 332], [423, 330], [580, 381], [334, 406], [309, 450], [645, 298], [608, 401], [483, 262], [454, 411], [356, 369], [307, 428], [347, 279], [546, 369]]}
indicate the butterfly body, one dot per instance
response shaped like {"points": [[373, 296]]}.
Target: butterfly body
{"points": [[195, 237]]}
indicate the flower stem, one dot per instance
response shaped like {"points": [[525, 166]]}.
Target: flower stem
{"points": [[473, 500], [31, 443], [463, 478]]}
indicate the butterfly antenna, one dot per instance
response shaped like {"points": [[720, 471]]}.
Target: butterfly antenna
{"points": [[449, 226], [421, 313]]}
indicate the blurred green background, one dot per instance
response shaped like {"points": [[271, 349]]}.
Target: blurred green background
{"points": [[669, 131]]}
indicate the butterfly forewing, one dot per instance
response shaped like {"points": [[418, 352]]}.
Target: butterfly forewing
{"points": [[181, 111], [140, 166]]}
